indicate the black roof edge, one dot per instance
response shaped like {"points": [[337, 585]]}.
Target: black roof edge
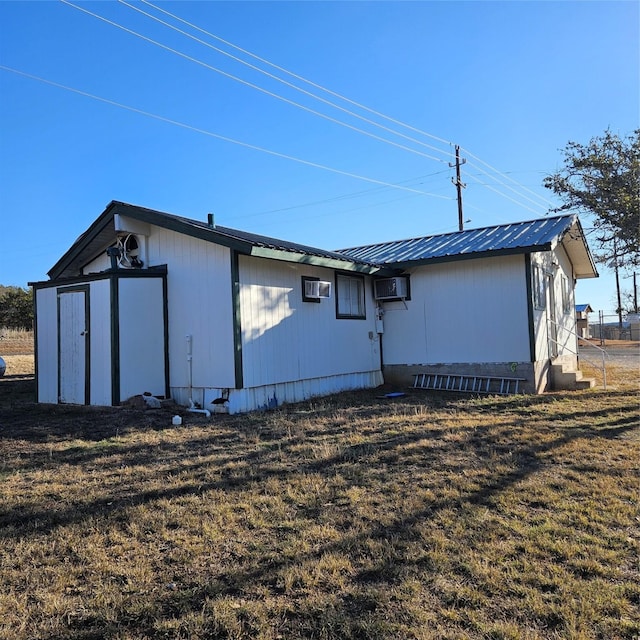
{"points": [[151, 272]]}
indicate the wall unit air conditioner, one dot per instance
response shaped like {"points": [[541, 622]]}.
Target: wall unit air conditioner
{"points": [[390, 288], [317, 289]]}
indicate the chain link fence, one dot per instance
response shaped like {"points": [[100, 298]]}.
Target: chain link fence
{"points": [[607, 327]]}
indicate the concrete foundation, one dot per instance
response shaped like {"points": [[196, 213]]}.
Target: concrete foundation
{"points": [[402, 375]]}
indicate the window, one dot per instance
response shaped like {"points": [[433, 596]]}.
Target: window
{"points": [[538, 288], [350, 297], [306, 298], [566, 296]]}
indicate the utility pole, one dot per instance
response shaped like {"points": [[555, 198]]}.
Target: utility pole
{"points": [[617, 272], [635, 293], [459, 185]]}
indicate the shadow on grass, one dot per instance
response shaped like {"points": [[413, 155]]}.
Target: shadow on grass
{"points": [[227, 447], [269, 452]]}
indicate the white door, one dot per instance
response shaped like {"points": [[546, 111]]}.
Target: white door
{"points": [[73, 347]]}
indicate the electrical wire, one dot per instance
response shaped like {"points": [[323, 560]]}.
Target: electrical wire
{"points": [[448, 153], [547, 203], [301, 78], [482, 171], [217, 135], [250, 84], [347, 196]]}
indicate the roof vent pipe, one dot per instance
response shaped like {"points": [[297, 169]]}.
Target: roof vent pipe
{"points": [[211, 221], [114, 254]]}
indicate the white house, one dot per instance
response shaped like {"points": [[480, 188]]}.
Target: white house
{"points": [[146, 301]]}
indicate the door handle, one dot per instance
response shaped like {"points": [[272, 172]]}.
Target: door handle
{"points": [[85, 333]]}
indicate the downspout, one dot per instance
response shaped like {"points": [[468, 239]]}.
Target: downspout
{"points": [[380, 332], [192, 406]]}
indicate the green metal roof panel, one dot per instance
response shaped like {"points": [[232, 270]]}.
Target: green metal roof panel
{"points": [[518, 237]]}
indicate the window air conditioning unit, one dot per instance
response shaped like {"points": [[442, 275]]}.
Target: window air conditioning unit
{"points": [[390, 288], [317, 289]]}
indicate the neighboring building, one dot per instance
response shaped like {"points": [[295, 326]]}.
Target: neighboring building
{"points": [[146, 301], [582, 320]]}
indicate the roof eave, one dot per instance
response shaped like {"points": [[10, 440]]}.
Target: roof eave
{"points": [[574, 243], [322, 261]]}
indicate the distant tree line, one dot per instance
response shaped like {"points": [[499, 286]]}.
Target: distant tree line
{"points": [[16, 308]]}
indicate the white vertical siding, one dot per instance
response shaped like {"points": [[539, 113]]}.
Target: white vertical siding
{"points": [[142, 366], [542, 260], [556, 265], [469, 311], [101, 263], [100, 342], [47, 336], [285, 339], [200, 305]]}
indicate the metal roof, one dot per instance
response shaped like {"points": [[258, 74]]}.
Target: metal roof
{"points": [[519, 237], [581, 308], [102, 233], [381, 259]]}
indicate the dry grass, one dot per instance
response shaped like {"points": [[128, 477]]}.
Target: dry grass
{"points": [[350, 517], [15, 342]]}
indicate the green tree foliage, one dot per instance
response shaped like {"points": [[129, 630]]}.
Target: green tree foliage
{"points": [[603, 178], [16, 308]]}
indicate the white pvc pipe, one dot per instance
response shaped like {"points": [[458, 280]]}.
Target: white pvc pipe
{"points": [[192, 407]]}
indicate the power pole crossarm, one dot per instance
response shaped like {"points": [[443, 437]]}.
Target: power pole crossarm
{"points": [[459, 185]]}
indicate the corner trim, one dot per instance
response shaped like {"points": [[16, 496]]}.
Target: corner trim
{"points": [[114, 294], [532, 333], [237, 320]]}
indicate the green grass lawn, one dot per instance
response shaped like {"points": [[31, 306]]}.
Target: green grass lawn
{"points": [[349, 517]]}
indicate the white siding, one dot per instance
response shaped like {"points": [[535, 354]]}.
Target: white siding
{"points": [[285, 339], [47, 336], [270, 396], [200, 305], [142, 366], [470, 311], [566, 317], [556, 266], [100, 342], [101, 263]]}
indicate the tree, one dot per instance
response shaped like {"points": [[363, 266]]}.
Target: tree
{"points": [[16, 308], [603, 178]]}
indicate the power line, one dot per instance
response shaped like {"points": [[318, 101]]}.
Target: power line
{"points": [[274, 77], [506, 186], [344, 98], [249, 84], [346, 196], [301, 78], [217, 135], [547, 202]]}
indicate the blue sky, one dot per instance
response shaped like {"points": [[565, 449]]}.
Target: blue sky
{"points": [[510, 82]]}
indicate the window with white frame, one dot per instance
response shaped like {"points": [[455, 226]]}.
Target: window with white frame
{"points": [[350, 297]]}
